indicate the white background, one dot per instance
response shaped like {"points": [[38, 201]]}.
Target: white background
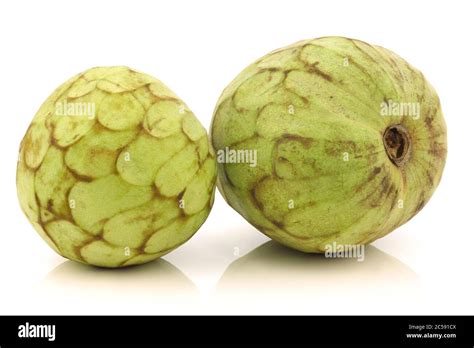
{"points": [[197, 48]]}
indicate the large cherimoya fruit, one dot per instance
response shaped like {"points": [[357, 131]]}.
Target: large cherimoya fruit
{"points": [[115, 170], [327, 141]]}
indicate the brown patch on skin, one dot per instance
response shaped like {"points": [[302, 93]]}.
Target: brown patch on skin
{"points": [[432, 135], [253, 195], [366, 199], [374, 173], [363, 43], [351, 144], [77, 249], [438, 151], [306, 142], [395, 66], [260, 109], [377, 53], [370, 152], [78, 176], [69, 212], [337, 148], [283, 159], [278, 224], [149, 233], [420, 206], [382, 193], [286, 73], [430, 177], [357, 65], [140, 250], [97, 151], [54, 143], [312, 69], [413, 71], [163, 251], [156, 192], [49, 205], [99, 237], [143, 218], [429, 122], [385, 184], [390, 190], [42, 224]]}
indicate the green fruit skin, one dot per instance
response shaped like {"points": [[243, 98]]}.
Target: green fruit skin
{"points": [[323, 174], [121, 177]]}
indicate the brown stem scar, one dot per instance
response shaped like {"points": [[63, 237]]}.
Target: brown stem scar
{"points": [[397, 144]]}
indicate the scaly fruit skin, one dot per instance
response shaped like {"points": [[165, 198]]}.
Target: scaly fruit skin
{"points": [[115, 170], [331, 165]]}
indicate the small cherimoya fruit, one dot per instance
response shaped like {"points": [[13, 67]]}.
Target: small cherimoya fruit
{"points": [[115, 170], [328, 141]]}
